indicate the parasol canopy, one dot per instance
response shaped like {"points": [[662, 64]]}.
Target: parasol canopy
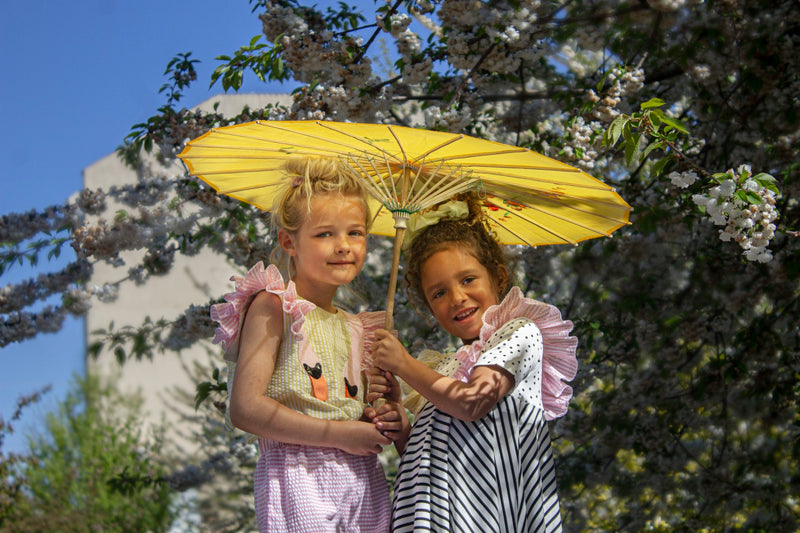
{"points": [[530, 199]]}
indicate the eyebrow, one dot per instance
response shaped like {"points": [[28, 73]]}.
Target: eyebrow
{"points": [[331, 225], [460, 274]]}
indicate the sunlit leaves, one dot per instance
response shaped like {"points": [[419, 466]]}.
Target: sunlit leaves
{"points": [[261, 59], [645, 131], [205, 389]]}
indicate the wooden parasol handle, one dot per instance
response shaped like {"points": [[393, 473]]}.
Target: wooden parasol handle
{"points": [[398, 244], [400, 233]]}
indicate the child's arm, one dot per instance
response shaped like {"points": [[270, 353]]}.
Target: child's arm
{"points": [[465, 401], [254, 412]]}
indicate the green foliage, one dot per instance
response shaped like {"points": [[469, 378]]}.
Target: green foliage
{"points": [[67, 478], [11, 253], [345, 17], [129, 341], [265, 62], [181, 70], [645, 131], [12, 485], [144, 134], [205, 389]]}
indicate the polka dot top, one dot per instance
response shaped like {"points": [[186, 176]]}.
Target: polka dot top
{"points": [[517, 347]]}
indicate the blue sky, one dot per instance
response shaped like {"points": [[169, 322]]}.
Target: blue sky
{"points": [[76, 77]]}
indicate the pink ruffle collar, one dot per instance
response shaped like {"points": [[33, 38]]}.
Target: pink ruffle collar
{"points": [[559, 362], [230, 314]]}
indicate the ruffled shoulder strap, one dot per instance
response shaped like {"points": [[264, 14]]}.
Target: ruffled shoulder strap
{"points": [[559, 362], [370, 321], [362, 335], [230, 314]]}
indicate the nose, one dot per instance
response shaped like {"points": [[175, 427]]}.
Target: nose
{"points": [[342, 245], [458, 296]]}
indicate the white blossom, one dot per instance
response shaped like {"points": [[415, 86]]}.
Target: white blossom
{"points": [[683, 179]]}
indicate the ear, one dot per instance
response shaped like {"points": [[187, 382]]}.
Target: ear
{"points": [[502, 280], [286, 241]]}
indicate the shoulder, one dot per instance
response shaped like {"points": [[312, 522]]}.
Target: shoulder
{"points": [[517, 347], [515, 331], [265, 303]]}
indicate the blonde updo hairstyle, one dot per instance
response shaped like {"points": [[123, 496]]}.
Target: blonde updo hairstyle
{"points": [[305, 178], [472, 234]]}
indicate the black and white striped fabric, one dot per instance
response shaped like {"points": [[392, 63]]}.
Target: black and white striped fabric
{"points": [[492, 475]]}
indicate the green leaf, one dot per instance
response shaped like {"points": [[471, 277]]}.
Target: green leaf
{"points": [[719, 177], [677, 124], [615, 130], [94, 349], [653, 102], [202, 391], [650, 147], [278, 68], [767, 181], [631, 142], [655, 116], [119, 353], [753, 198], [658, 167]]}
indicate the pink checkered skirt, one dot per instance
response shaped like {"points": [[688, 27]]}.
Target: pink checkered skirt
{"points": [[316, 490]]}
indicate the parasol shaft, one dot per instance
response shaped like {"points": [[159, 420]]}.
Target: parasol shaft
{"points": [[400, 232], [398, 244]]}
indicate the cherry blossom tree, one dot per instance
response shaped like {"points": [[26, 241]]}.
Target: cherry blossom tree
{"points": [[685, 413]]}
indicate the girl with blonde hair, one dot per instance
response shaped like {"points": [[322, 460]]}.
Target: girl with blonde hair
{"points": [[297, 382]]}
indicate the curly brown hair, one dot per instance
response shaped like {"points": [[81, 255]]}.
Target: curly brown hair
{"points": [[472, 234]]}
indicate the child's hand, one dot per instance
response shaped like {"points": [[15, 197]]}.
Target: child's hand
{"points": [[382, 384], [391, 419], [362, 438], [388, 352]]}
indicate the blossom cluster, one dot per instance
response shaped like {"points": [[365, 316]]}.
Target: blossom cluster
{"points": [[624, 83], [27, 292], [335, 76], [746, 207], [454, 120], [507, 37], [583, 145], [20, 325], [667, 5]]}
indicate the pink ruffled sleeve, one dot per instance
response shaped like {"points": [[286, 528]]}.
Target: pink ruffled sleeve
{"points": [[559, 362], [230, 314], [371, 321]]}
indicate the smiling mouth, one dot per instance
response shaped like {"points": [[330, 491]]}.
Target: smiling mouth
{"points": [[463, 315]]}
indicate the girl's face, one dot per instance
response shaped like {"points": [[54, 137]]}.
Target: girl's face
{"points": [[330, 247], [458, 289]]}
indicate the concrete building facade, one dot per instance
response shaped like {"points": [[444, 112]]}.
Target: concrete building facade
{"points": [[191, 280]]}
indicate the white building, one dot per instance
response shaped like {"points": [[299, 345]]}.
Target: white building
{"points": [[192, 280]]}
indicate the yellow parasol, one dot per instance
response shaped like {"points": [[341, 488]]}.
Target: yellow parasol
{"points": [[530, 199]]}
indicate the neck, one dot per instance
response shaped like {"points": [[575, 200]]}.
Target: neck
{"points": [[322, 297]]}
